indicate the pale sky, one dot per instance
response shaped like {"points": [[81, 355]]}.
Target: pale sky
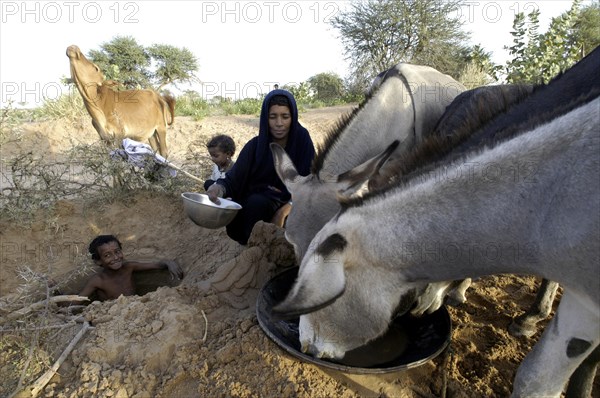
{"points": [[243, 47]]}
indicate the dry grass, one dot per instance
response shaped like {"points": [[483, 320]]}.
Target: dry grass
{"points": [[473, 76], [69, 106], [33, 333]]}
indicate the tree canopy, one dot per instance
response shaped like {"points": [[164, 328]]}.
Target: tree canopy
{"points": [[124, 60], [327, 87], [585, 29], [378, 34], [538, 57]]}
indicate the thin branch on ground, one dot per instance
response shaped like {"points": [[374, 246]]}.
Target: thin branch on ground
{"points": [[205, 326], [41, 382], [41, 304]]}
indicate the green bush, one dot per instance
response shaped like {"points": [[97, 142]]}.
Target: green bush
{"points": [[246, 106], [67, 106], [301, 92]]}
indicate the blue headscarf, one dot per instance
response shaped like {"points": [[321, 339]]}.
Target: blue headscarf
{"points": [[299, 145], [254, 170]]}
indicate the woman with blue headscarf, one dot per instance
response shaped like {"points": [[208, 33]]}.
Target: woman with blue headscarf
{"points": [[253, 181]]}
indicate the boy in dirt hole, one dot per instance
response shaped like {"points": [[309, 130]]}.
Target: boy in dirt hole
{"points": [[116, 277]]}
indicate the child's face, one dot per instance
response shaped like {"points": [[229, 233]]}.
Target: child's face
{"points": [[218, 157], [110, 256]]}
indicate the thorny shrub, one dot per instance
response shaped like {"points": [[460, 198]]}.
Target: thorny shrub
{"points": [[31, 182]]}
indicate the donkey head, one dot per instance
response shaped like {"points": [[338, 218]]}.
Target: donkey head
{"points": [[319, 195], [340, 313]]}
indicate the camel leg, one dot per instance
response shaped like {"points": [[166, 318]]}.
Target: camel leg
{"points": [[525, 325], [153, 141], [161, 136], [571, 336], [104, 135], [581, 382]]}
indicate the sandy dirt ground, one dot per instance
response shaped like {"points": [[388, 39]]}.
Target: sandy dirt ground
{"points": [[201, 337]]}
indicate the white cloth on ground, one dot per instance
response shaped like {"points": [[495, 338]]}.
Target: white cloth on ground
{"points": [[137, 153]]}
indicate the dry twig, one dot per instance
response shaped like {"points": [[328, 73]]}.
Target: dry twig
{"points": [[205, 326], [41, 382], [41, 304]]}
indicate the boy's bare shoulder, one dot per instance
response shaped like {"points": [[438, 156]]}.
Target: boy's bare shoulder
{"points": [[94, 283], [96, 279]]}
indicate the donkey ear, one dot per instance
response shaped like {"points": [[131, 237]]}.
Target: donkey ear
{"points": [[284, 166], [354, 180]]}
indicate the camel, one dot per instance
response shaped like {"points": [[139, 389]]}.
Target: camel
{"points": [[142, 115]]}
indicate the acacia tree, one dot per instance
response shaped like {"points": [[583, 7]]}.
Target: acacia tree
{"points": [[377, 34], [173, 65], [128, 62], [124, 60], [519, 68]]}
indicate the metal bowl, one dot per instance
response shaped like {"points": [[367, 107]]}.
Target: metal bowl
{"points": [[408, 343], [207, 214]]}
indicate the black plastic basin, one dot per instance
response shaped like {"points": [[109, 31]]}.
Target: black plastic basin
{"points": [[409, 342]]}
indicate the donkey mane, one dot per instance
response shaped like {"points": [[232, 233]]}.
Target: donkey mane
{"points": [[333, 135], [509, 116], [475, 141], [469, 112]]}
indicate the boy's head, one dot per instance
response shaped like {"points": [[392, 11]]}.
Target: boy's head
{"points": [[106, 251], [221, 148]]}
